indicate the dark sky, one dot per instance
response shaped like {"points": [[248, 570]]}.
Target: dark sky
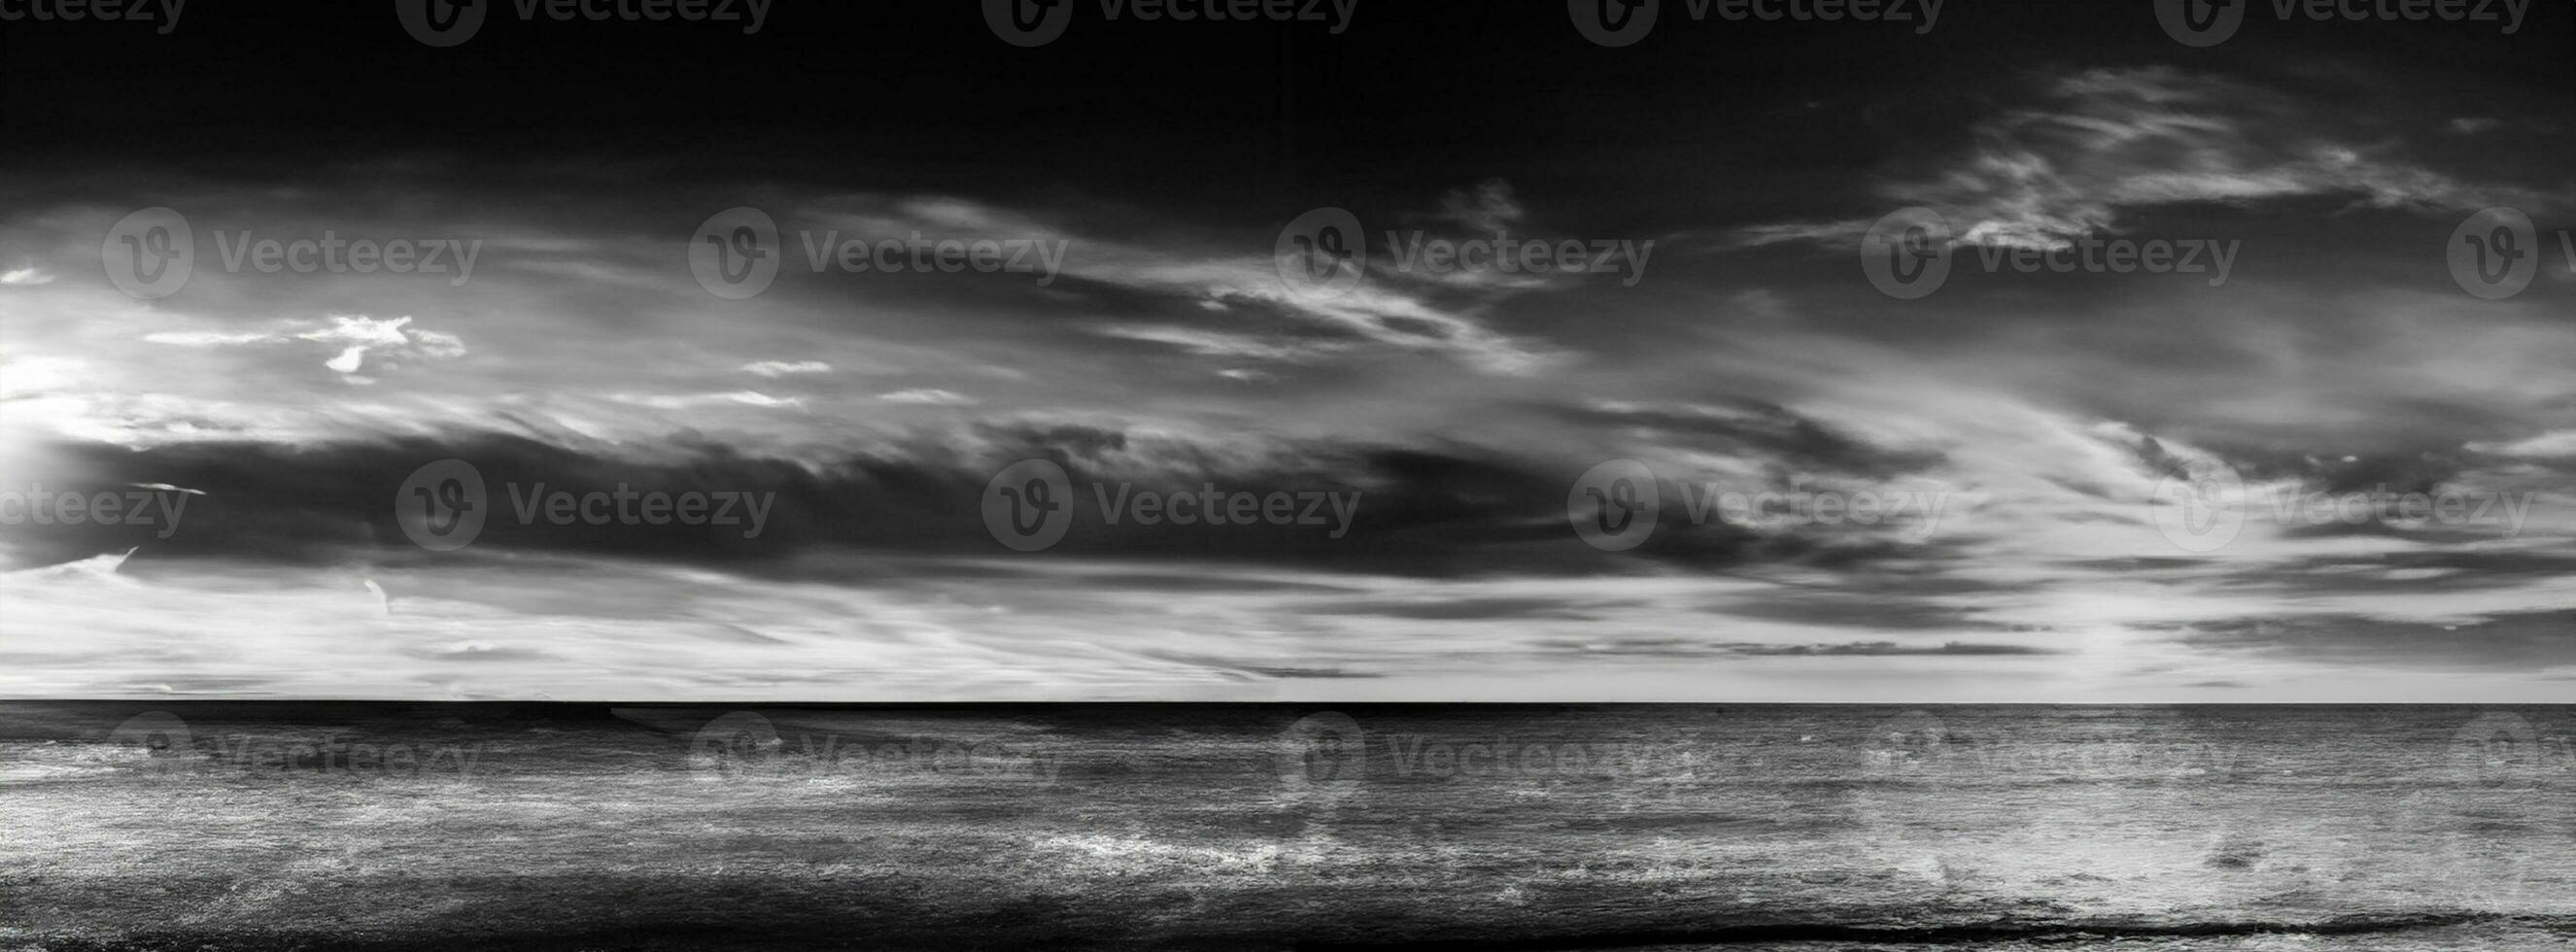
{"points": [[1203, 113], [1738, 346]]}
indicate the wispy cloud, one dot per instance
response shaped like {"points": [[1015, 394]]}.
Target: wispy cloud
{"points": [[781, 368], [356, 336], [2100, 143], [933, 397]]}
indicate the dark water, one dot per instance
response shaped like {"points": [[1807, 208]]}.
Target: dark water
{"points": [[237, 825]]}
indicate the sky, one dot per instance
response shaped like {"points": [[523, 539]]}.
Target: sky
{"points": [[2389, 457]]}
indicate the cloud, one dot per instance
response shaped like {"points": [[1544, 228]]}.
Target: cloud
{"points": [[1684, 648], [1489, 207], [1410, 512], [1755, 430], [931, 397], [2098, 143], [1468, 609], [356, 335], [1235, 304], [211, 338], [749, 398], [1880, 649], [1459, 409], [2560, 444], [2510, 642], [782, 368]]}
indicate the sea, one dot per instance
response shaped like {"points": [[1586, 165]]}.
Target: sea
{"points": [[217, 825]]}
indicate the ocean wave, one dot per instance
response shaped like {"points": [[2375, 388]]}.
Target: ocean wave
{"points": [[1954, 933], [1286, 935]]}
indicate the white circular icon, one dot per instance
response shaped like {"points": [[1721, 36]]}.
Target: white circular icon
{"points": [[735, 253], [1029, 505], [2494, 254], [2201, 23], [1323, 747], [1911, 765], [2497, 766], [1614, 22], [2200, 509], [1321, 254], [1614, 505], [738, 744], [442, 505], [440, 23], [1028, 22], [169, 748], [149, 254], [1906, 255], [2497, 749]]}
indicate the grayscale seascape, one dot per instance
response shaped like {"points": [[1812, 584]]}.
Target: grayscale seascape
{"points": [[403, 826], [1287, 475]]}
